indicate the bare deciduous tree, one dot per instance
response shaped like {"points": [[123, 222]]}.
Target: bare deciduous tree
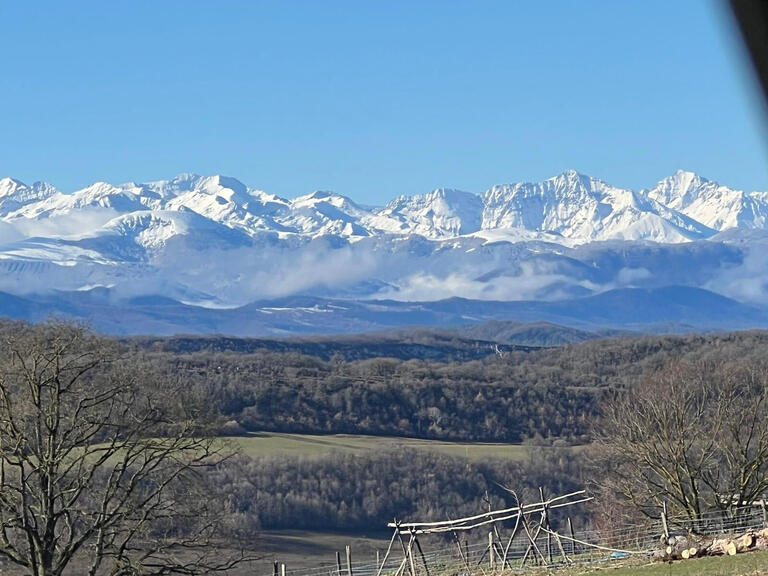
{"points": [[693, 436], [101, 464]]}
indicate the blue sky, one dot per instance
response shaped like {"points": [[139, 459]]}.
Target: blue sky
{"points": [[376, 99]]}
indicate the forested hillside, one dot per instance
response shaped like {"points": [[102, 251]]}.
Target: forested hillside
{"points": [[345, 491], [535, 396], [540, 393]]}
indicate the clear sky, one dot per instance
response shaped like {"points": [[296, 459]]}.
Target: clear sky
{"points": [[374, 99]]}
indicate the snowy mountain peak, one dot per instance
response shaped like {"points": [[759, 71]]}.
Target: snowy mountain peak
{"points": [[444, 212], [9, 185], [679, 189], [583, 208], [714, 205], [571, 176], [14, 194], [318, 196], [570, 206]]}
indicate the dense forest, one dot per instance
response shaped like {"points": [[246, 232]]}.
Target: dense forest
{"points": [[550, 393], [345, 491]]}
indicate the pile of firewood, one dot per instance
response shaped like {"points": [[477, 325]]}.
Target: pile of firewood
{"points": [[684, 546]]}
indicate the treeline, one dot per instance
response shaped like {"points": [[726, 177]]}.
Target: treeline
{"points": [[474, 401], [345, 491], [422, 344], [549, 393]]}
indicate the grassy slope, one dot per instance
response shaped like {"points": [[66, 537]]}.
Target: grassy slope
{"points": [[271, 444], [750, 564], [300, 551]]}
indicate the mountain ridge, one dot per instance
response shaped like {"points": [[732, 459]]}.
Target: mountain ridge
{"points": [[211, 243], [680, 208], [672, 309]]}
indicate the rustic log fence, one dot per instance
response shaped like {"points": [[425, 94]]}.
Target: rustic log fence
{"points": [[524, 536]]}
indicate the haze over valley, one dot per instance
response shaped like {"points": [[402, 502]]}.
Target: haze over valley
{"points": [[206, 254]]}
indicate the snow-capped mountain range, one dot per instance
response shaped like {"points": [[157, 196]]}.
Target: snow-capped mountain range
{"points": [[570, 208], [212, 241]]}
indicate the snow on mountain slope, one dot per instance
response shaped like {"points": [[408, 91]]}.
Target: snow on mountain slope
{"points": [[15, 194], [143, 233], [442, 213], [582, 208], [714, 205], [568, 208], [211, 238], [323, 213], [224, 200], [100, 195]]}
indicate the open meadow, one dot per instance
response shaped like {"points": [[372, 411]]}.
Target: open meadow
{"points": [[275, 444]]}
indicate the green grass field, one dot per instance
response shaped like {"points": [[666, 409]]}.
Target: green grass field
{"points": [[266, 444], [749, 564]]}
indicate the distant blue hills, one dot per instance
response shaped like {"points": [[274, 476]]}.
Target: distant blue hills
{"points": [[664, 309]]}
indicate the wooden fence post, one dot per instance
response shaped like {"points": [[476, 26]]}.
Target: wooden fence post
{"points": [[545, 524], [410, 554], [664, 525], [338, 563], [490, 550], [765, 513], [275, 569], [573, 542], [282, 570], [386, 554], [349, 561]]}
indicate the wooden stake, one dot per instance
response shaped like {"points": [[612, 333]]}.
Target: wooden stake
{"points": [[545, 523], [573, 543], [461, 553], [533, 547], [549, 546], [275, 569], [349, 561], [377, 560], [765, 514], [386, 554], [338, 563], [496, 547], [490, 550], [282, 569], [505, 562], [402, 545], [560, 546], [410, 555], [664, 525], [401, 568]]}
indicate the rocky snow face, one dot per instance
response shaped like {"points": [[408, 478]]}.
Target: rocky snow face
{"points": [[710, 203], [568, 209], [325, 213], [585, 209], [443, 213], [14, 195]]}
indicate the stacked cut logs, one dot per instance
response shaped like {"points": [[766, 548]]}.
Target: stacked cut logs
{"points": [[685, 546]]}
